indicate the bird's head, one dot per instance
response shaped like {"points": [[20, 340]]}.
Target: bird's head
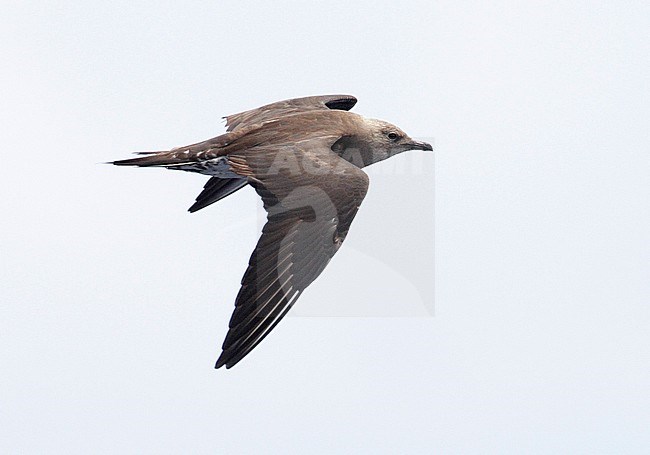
{"points": [[388, 137], [388, 140], [374, 140]]}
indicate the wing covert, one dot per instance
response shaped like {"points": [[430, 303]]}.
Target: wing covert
{"points": [[287, 107]]}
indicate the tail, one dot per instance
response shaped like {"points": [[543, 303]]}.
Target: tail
{"points": [[164, 158], [180, 155], [215, 189]]}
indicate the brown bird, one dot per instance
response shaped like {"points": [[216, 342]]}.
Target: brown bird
{"points": [[303, 157]]}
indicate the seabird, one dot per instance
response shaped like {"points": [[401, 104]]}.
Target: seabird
{"points": [[303, 156]]}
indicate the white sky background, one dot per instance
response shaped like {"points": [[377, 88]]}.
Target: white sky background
{"points": [[115, 300]]}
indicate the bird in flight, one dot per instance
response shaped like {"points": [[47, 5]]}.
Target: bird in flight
{"points": [[303, 157]]}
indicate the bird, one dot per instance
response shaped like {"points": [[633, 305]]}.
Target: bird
{"points": [[304, 158]]}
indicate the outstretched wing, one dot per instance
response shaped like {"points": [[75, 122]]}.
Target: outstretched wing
{"points": [[311, 200], [287, 107]]}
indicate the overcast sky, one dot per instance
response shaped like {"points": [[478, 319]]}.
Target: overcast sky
{"points": [[114, 300]]}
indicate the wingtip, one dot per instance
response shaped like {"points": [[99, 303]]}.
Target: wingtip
{"points": [[341, 102], [197, 206], [221, 361]]}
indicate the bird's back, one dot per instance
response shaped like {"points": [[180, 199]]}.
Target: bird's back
{"points": [[290, 130]]}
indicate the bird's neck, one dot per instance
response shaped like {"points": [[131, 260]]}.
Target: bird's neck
{"points": [[357, 151]]}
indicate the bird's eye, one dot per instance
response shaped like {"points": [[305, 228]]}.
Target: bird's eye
{"points": [[393, 136]]}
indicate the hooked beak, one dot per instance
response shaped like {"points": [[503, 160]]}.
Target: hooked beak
{"points": [[418, 145]]}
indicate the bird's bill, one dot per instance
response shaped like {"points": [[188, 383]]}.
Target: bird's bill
{"points": [[419, 145]]}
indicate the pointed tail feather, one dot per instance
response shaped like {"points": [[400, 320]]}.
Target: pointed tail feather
{"points": [[172, 157], [165, 158]]}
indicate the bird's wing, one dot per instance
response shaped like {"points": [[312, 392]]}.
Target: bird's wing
{"points": [[287, 107], [311, 196], [215, 189]]}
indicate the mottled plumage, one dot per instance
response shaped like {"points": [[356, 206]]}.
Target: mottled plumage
{"points": [[304, 158]]}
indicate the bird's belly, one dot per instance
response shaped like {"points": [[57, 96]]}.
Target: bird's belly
{"points": [[217, 167]]}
